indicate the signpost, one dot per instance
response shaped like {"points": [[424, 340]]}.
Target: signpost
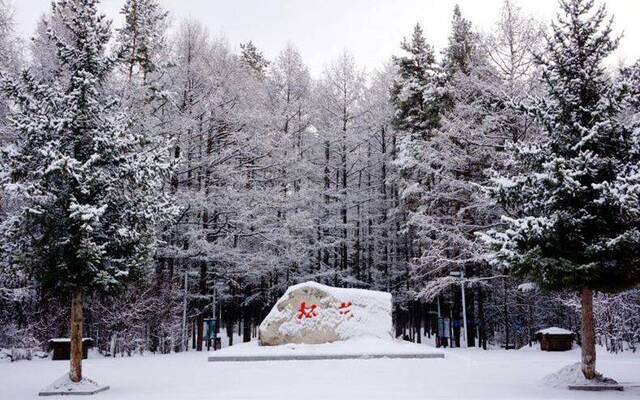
{"points": [[444, 330], [212, 335], [212, 323], [464, 305]]}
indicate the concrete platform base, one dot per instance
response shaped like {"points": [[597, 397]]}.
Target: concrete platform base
{"points": [[64, 387], [74, 393], [293, 357], [597, 388]]}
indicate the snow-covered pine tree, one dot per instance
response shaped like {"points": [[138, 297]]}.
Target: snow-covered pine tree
{"points": [[142, 37], [577, 225], [253, 58], [10, 60], [415, 92], [14, 288], [417, 97], [142, 84], [478, 122], [629, 85], [88, 189], [462, 40], [452, 207]]}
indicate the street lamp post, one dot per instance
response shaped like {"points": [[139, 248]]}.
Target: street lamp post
{"points": [[464, 310], [184, 312], [464, 305]]}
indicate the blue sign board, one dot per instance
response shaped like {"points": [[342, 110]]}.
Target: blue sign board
{"points": [[444, 327], [211, 325]]}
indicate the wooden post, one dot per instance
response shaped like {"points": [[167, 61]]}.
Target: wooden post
{"points": [[199, 333], [75, 372], [588, 335]]}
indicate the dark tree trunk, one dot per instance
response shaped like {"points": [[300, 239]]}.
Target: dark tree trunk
{"points": [[199, 333], [193, 335], [505, 315], [470, 330], [483, 335], [456, 319], [246, 325], [75, 371], [588, 341], [230, 333]]}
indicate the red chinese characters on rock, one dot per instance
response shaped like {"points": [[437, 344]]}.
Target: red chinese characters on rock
{"points": [[305, 312], [345, 309], [311, 311]]}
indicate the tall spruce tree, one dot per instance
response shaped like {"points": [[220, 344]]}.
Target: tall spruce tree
{"points": [[457, 55], [88, 188], [142, 36], [416, 95], [415, 92], [578, 223], [254, 59]]}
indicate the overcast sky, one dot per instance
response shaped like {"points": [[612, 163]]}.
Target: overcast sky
{"points": [[321, 29]]}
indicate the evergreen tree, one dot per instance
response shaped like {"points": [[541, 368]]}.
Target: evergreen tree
{"points": [[457, 55], [577, 222], [142, 36], [415, 94], [629, 85], [10, 61], [88, 188], [253, 58]]}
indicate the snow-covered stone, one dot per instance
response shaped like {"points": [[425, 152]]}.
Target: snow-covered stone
{"points": [[313, 313], [527, 287]]}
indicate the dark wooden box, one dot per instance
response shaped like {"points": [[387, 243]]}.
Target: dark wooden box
{"points": [[555, 342], [62, 348]]}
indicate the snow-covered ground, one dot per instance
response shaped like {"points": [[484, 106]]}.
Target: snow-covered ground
{"points": [[361, 347], [463, 374]]}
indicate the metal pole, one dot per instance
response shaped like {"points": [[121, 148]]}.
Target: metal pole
{"points": [[213, 301], [464, 310], [184, 313], [212, 338], [438, 338]]}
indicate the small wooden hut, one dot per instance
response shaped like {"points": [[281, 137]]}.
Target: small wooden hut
{"points": [[62, 348], [555, 339]]}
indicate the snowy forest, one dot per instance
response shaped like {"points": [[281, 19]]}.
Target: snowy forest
{"points": [[203, 180]]}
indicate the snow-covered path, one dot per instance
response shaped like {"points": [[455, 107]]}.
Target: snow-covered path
{"points": [[463, 374]]}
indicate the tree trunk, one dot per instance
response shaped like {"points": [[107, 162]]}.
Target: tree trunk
{"points": [[134, 47], [506, 317], [483, 334], [246, 326], [75, 372], [112, 345], [588, 341], [199, 333]]}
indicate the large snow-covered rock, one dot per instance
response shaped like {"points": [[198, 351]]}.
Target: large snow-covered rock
{"points": [[313, 313]]}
